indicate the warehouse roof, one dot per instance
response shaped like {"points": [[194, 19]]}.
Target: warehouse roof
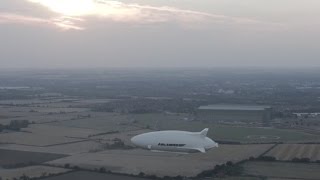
{"points": [[238, 107]]}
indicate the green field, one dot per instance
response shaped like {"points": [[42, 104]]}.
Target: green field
{"points": [[12, 158], [225, 133], [282, 170], [99, 121]]}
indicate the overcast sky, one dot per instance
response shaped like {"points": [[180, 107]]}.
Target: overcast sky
{"points": [[159, 33]]}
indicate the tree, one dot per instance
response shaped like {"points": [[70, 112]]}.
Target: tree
{"points": [[24, 177], [229, 163], [67, 165], [102, 170], [267, 158], [44, 174]]}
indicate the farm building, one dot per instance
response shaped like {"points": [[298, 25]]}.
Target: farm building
{"points": [[233, 113]]}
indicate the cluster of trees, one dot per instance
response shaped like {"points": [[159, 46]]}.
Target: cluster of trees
{"points": [[227, 169], [263, 158], [15, 125], [2, 127], [117, 144], [18, 124], [141, 174]]}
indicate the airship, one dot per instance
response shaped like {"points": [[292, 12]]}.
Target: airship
{"points": [[175, 141]]}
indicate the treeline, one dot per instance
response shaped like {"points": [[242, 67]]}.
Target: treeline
{"points": [[144, 105], [117, 144], [19, 165]]}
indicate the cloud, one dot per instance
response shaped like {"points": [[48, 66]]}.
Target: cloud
{"points": [[15, 18], [67, 23], [77, 14], [62, 23]]}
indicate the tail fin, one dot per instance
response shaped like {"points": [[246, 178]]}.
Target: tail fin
{"points": [[204, 132]]}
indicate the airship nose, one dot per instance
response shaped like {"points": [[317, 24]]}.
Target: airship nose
{"points": [[136, 140]]}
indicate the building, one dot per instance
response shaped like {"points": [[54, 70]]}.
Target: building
{"points": [[234, 113]]}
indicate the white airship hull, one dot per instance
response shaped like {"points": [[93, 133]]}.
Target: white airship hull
{"points": [[175, 141]]}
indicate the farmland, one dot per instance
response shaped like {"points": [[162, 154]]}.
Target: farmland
{"points": [[81, 138], [66, 149], [45, 135], [224, 133], [161, 164], [74, 121], [100, 122], [287, 152], [282, 170]]}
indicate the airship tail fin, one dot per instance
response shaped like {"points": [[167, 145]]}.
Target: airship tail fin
{"points": [[204, 132], [202, 150]]}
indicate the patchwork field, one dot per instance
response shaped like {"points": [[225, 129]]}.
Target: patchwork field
{"points": [[66, 133], [10, 158], [162, 164], [27, 101], [40, 114], [30, 171], [45, 135], [124, 136], [282, 170], [102, 122], [225, 133], [286, 152], [67, 149]]}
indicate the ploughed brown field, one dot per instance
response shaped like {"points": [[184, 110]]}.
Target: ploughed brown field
{"points": [[287, 152]]}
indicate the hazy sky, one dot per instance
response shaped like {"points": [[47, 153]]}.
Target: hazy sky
{"points": [[159, 33]]}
